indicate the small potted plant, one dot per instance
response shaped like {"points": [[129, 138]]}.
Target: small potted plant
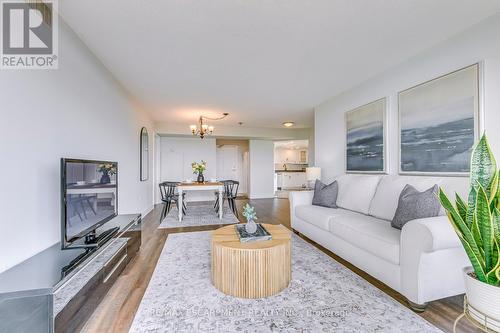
{"points": [[251, 216], [107, 170], [198, 168], [477, 224]]}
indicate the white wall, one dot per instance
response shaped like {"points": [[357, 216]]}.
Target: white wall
{"points": [[76, 111], [176, 156], [261, 169], [478, 44]]}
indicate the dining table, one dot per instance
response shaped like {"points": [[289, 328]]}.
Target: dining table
{"points": [[195, 186]]}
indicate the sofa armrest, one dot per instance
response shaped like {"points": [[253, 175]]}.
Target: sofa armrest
{"points": [[433, 234], [300, 198], [431, 253]]}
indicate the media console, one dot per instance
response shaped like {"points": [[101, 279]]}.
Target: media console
{"points": [[42, 295]]}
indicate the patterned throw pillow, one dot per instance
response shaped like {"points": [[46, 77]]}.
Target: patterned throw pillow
{"points": [[414, 204], [325, 195]]}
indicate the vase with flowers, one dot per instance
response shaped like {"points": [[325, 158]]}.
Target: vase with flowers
{"points": [[251, 216], [107, 170], [199, 168]]}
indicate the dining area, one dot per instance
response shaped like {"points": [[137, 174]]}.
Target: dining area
{"points": [[174, 197]]}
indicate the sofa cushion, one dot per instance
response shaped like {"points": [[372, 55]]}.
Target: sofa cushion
{"points": [[370, 234], [319, 216], [325, 195], [385, 200], [356, 192]]}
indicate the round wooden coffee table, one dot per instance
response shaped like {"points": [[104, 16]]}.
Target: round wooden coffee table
{"points": [[251, 270]]}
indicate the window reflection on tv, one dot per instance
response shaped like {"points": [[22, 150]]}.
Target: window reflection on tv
{"points": [[91, 195]]}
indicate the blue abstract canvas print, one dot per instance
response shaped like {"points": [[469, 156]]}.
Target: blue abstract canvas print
{"points": [[438, 123], [365, 151]]}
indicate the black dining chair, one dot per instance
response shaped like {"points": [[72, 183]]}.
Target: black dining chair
{"points": [[169, 195], [230, 193], [216, 204]]}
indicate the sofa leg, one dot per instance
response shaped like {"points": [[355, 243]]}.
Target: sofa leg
{"points": [[417, 307]]}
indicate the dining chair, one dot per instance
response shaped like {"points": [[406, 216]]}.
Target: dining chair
{"points": [[168, 194], [230, 193], [216, 204]]}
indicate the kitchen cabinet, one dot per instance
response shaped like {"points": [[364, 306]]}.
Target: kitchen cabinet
{"points": [[293, 179], [290, 156], [303, 156]]}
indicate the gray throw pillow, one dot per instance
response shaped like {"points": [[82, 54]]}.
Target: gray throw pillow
{"points": [[414, 205], [325, 195]]}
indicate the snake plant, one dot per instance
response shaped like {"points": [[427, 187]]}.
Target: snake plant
{"points": [[477, 221]]}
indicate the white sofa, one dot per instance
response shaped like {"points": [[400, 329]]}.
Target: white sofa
{"points": [[423, 261]]}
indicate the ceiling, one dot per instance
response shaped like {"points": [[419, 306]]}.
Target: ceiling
{"points": [[263, 61]]}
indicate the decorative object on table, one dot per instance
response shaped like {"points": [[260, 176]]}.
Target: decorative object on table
{"points": [[203, 129], [260, 233], [413, 205], [365, 130], [438, 123], [144, 154], [477, 224], [312, 174], [250, 214], [198, 168], [325, 195], [107, 170]]}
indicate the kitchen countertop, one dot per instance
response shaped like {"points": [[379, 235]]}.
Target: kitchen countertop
{"points": [[289, 171]]}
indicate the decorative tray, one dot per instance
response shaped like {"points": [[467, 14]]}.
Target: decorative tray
{"points": [[260, 235]]}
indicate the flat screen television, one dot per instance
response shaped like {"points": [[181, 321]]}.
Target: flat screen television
{"points": [[89, 198]]}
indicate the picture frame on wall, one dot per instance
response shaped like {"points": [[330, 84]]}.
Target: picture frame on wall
{"points": [[366, 138], [439, 124]]}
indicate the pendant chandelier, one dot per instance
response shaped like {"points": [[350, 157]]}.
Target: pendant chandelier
{"points": [[203, 129]]}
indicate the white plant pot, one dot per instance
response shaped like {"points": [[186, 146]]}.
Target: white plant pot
{"points": [[485, 299]]}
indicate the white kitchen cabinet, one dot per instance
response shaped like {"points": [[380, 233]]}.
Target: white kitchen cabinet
{"points": [[290, 156], [293, 179]]}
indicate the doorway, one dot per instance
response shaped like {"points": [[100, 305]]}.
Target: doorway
{"points": [[232, 162]]}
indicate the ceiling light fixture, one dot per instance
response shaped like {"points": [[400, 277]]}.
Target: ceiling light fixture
{"points": [[288, 123], [203, 129]]}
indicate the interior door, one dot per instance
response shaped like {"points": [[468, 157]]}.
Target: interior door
{"points": [[228, 166]]}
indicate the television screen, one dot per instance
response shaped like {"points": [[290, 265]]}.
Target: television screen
{"points": [[89, 190]]}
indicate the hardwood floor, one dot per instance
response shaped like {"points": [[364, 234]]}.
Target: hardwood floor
{"points": [[116, 312]]}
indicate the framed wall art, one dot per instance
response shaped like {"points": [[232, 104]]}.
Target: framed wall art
{"points": [[366, 138], [438, 124]]}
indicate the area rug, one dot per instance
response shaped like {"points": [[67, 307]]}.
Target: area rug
{"points": [[198, 214], [323, 296]]}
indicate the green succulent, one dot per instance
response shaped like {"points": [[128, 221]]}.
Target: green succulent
{"points": [[249, 213], [477, 221]]}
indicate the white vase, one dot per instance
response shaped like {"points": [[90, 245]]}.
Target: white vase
{"points": [[485, 298], [251, 227]]}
